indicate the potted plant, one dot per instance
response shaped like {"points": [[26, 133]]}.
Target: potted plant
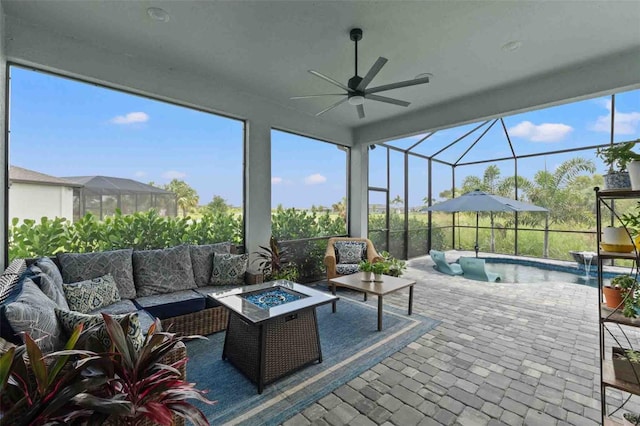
{"points": [[626, 364], [622, 293], [630, 419], [395, 267], [616, 157], [272, 263], [378, 269], [366, 268]]}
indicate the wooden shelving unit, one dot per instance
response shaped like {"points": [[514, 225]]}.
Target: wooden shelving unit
{"points": [[608, 316]]}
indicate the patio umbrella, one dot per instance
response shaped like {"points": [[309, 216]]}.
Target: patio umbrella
{"points": [[479, 201]]}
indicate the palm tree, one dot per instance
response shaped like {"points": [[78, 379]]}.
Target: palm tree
{"points": [[186, 197], [340, 207]]}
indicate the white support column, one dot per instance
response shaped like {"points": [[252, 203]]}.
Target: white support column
{"points": [[358, 190], [257, 186], [4, 141]]}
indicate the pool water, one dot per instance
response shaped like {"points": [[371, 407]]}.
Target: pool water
{"points": [[519, 273]]}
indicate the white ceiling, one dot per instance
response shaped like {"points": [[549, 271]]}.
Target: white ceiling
{"points": [[266, 47]]}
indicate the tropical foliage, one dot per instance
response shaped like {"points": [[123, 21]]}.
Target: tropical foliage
{"points": [[186, 197]]}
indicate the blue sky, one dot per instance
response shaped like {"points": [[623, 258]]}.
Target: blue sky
{"points": [[67, 128]]}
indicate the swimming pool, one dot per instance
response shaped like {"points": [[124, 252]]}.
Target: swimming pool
{"points": [[526, 271]]}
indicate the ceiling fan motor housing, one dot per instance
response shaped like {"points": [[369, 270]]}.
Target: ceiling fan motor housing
{"points": [[354, 81]]}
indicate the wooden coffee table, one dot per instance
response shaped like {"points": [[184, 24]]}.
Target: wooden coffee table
{"points": [[387, 286]]}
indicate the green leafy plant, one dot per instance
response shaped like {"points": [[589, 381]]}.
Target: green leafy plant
{"points": [[631, 355], [365, 266], [271, 261], [629, 286], [379, 268], [395, 267], [618, 156]]}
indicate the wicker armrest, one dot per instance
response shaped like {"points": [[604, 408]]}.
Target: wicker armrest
{"points": [[330, 260]]}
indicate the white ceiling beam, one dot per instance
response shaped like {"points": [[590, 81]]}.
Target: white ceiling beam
{"points": [[607, 75]]}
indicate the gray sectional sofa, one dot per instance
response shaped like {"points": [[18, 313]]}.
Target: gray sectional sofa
{"points": [[170, 284]]}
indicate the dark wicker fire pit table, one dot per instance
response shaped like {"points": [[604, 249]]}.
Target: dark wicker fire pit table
{"points": [[272, 329]]}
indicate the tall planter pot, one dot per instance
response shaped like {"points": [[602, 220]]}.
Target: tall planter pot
{"points": [[623, 368], [634, 174], [617, 180]]}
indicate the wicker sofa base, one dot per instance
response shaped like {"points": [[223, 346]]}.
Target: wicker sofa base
{"points": [[268, 351], [204, 322]]}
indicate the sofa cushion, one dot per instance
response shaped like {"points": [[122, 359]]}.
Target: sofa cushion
{"points": [[70, 319], [162, 271], [125, 306], [350, 251], [202, 260], [346, 268], [171, 305], [33, 312], [88, 295], [84, 266], [50, 280], [229, 269]]}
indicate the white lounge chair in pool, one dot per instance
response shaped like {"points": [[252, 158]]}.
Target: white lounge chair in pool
{"points": [[475, 269], [441, 264]]}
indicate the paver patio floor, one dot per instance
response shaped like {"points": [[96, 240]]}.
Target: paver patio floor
{"points": [[504, 354]]}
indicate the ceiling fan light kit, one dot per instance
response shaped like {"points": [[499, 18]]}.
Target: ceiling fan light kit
{"points": [[356, 90]]}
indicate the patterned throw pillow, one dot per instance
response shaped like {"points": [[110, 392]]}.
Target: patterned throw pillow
{"points": [[202, 260], [50, 281], [32, 312], [229, 269], [99, 340], [162, 271], [88, 295], [83, 266], [350, 251]]}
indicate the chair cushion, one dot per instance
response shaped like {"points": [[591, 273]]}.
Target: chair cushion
{"points": [[84, 266], [70, 319], [50, 280], [347, 268], [125, 306], [88, 295], [229, 269], [162, 271], [202, 260], [172, 304], [350, 251], [31, 312]]}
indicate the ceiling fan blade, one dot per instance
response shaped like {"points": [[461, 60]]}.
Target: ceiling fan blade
{"points": [[341, 101], [330, 80], [373, 71], [387, 100], [360, 109], [413, 82], [318, 96]]}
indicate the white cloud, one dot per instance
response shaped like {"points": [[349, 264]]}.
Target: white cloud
{"points": [[173, 174], [140, 174], [545, 132], [315, 179], [130, 118], [276, 180], [626, 123]]}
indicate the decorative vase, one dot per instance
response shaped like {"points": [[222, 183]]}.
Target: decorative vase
{"points": [[377, 278], [617, 180], [634, 174], [616, 235], [612, 297], [366, 276]]}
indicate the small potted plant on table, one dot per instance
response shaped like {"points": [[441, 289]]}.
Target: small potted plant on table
{"points": [[379, 268], [366, 268]]}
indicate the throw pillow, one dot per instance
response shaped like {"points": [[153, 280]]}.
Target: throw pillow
{"points": [[350, 251], [162, 271], [84, 266], [202, 260], [50, 280], [229, 269], [100, 340], [32, 312], [88, 295]]}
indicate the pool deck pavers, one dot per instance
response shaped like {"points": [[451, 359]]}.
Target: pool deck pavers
{"points": [[503, 353]]}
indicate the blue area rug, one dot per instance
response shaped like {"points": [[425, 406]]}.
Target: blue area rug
{"points": [[350, 343]]}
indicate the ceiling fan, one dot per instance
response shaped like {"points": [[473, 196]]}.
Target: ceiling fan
{"points": [[356, 88]]}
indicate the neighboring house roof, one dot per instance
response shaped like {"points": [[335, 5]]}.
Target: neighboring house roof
{"points": [[22, 175], [107, 184]]}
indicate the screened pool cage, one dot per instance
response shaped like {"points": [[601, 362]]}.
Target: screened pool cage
{"points": [[102, 195], [392, 224]]}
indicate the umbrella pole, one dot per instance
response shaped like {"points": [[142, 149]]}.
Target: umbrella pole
{"points": [[477, 225]]}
